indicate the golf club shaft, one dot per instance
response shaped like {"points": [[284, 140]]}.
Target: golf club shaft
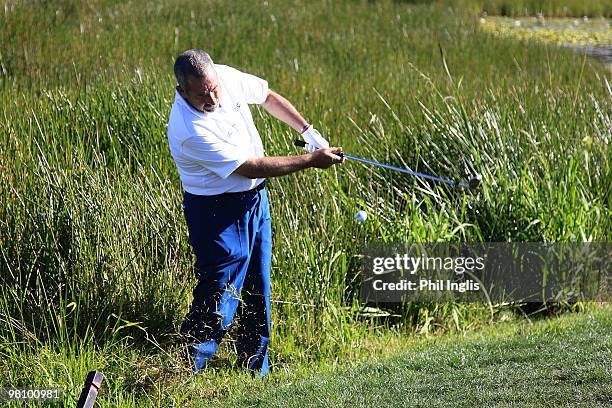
{"points": [[301, 143], [403, 170]]}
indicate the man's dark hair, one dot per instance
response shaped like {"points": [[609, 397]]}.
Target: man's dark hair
{"points": [[192, 63]]}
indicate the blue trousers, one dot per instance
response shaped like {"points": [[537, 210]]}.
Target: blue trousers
{"points": [[231, 237]]}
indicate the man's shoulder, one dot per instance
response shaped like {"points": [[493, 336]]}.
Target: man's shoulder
{"points": [[227, 71], [183, 124]]}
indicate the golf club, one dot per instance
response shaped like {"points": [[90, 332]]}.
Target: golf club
{"points": [[472, 184]]}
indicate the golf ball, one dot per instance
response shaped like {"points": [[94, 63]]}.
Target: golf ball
{"points": [[361, 216]]}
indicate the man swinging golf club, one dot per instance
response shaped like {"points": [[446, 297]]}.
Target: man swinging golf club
{"points": [[222, 167]]}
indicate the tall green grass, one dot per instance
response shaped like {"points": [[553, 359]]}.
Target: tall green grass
{"points": [[93, 243]]}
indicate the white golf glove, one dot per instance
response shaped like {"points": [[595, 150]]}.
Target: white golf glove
{"points": [[314, 139]]}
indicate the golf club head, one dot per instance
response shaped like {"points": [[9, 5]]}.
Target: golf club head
{"points": [[474, 182]]}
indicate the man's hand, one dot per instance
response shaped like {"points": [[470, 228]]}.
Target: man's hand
{"points": [[326, 157], [314, 139]]}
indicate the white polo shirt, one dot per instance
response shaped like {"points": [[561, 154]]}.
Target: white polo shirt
{"points": [[208, 146]]}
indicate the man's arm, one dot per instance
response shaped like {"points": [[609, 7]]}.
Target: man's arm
{"points": [[283, 110], [264, 167]]}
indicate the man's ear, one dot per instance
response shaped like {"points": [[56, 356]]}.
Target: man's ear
{"points": [[180, 90]]}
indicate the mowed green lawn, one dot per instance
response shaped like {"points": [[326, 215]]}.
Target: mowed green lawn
{"points": [[563, 361]]}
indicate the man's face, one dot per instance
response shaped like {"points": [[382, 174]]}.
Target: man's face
{"points": [[203, 94]]}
